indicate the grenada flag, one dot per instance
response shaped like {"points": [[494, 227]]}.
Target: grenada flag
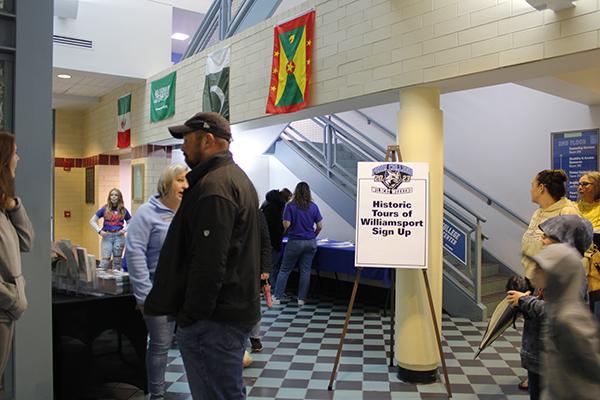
{"points": [[292, 59]]}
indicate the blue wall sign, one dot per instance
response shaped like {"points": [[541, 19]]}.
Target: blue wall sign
{"points": [[575, 152], [455, 241]]}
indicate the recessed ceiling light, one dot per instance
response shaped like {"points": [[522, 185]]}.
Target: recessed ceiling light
{"points": [[179, 36], [63, 76]]}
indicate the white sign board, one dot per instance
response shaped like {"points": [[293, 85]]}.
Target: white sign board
{"points": [[392, 211]]}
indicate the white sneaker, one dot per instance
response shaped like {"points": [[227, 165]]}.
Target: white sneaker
{"points": [[276, 301], [301, 302]]}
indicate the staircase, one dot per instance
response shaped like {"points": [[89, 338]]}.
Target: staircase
{"points": [[325, 151]]}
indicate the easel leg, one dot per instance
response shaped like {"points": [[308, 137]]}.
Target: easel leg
{"points": [[346, 322], [392, 316], [437, 333]]}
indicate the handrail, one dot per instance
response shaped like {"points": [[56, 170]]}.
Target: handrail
{"points": [[203, 29], [362, 135], [377, 124], [467, 209], [488, 199], [349, 137]]}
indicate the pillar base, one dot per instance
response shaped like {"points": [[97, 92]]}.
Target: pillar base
{"points": [[410, 376]]}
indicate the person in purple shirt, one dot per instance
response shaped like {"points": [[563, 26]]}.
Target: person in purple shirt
{"points": [[303, 222], [113, 228]]}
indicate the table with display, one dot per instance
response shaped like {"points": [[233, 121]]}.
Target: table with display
{"points": [[338, 257], [83, 358]]}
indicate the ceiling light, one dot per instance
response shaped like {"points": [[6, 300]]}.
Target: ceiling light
{"points": [[63, 76], [179, 36]]}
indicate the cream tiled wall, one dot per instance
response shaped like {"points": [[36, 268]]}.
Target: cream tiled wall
{"points": [[363, 47], [69, 134], [69, 195]]}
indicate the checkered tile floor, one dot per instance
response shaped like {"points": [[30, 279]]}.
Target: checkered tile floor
{"points": [[300, 345]]}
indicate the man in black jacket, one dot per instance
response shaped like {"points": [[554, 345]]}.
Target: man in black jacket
{"points": [[208, 270]]}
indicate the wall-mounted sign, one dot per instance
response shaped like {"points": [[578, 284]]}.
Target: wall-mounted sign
{"points": [[575, 152], [455, 241], [90, 193], [137, 183], [392, 215]]}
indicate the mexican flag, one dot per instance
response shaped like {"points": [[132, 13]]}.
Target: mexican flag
{"points": [[124, 121], [216, 82], [292, 58]]}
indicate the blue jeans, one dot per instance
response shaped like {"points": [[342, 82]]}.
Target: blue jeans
{"points": [[301, 252], [112, 245], [275, 262], [160, 332], [212, 355]]}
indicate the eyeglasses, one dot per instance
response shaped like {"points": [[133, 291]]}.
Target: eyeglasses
{"points": [[584, 184]]}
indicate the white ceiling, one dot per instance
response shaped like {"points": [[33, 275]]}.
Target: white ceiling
{"points": [[84, 88]]}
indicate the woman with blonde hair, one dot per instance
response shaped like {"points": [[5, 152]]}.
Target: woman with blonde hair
{"points": [[113, 228], [589, 197], [145, 238], [16, 236]]}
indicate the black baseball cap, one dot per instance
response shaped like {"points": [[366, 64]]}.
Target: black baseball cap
{"points": [[203, 121]]}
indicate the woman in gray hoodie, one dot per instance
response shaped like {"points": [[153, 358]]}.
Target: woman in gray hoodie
{"points": [[145, 238], [16, 236]]}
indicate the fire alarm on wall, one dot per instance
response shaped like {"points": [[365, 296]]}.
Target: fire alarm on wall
{"points": [[67, 214]]}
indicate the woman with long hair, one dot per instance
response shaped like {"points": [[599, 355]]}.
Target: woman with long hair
{"points": [[16, 236], [145, 238], [303, 222], [113, 229]]}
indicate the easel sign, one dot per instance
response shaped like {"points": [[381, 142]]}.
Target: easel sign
{"points": [[392, 213]]}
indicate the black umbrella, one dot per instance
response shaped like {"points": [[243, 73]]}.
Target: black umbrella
{"points": [[502, 317]]}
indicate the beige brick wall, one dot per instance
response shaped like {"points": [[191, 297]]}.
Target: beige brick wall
{"points": [[154, 165], [69, 133], [366, 46]]}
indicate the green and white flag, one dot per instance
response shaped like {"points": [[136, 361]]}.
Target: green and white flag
{"points": [[162, 98], [216, 82], [124, 121]]}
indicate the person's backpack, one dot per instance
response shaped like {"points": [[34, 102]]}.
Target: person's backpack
{"points": [[593, 268]]}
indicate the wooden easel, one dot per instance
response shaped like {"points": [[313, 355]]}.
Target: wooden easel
{"points": [[392, 154]]}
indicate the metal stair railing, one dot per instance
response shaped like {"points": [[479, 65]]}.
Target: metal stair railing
{"points": [[336, 135]]}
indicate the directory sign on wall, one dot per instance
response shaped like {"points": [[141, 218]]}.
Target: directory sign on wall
{"points": [[392, 211], [575, 152]]}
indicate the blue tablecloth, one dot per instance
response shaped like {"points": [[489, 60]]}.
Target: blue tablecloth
{"points": [[336, 256]]}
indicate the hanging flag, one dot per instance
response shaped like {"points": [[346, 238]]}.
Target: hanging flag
{"points": [[216, 83], [124, 121], [162, 98], [292, 58]]}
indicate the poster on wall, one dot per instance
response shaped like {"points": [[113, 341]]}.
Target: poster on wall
{"points": [[575, 152], [392, 213], [162, 97], [137, 183], [455, 240]]}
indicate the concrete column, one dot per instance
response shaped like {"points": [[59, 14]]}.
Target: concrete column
{"points": [[421, 139]]}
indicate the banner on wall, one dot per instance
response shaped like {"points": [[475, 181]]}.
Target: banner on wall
{"points": [[292, 59], [124, 121], [392, 211], [216, 82], [162, 98]]}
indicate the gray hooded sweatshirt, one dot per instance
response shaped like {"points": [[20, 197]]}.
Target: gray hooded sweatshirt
{"points": [[571, 356], [16, 236]]}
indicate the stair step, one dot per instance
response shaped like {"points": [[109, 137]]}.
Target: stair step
{"points": [[492, 300], [493, 284], [489, 268]]}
